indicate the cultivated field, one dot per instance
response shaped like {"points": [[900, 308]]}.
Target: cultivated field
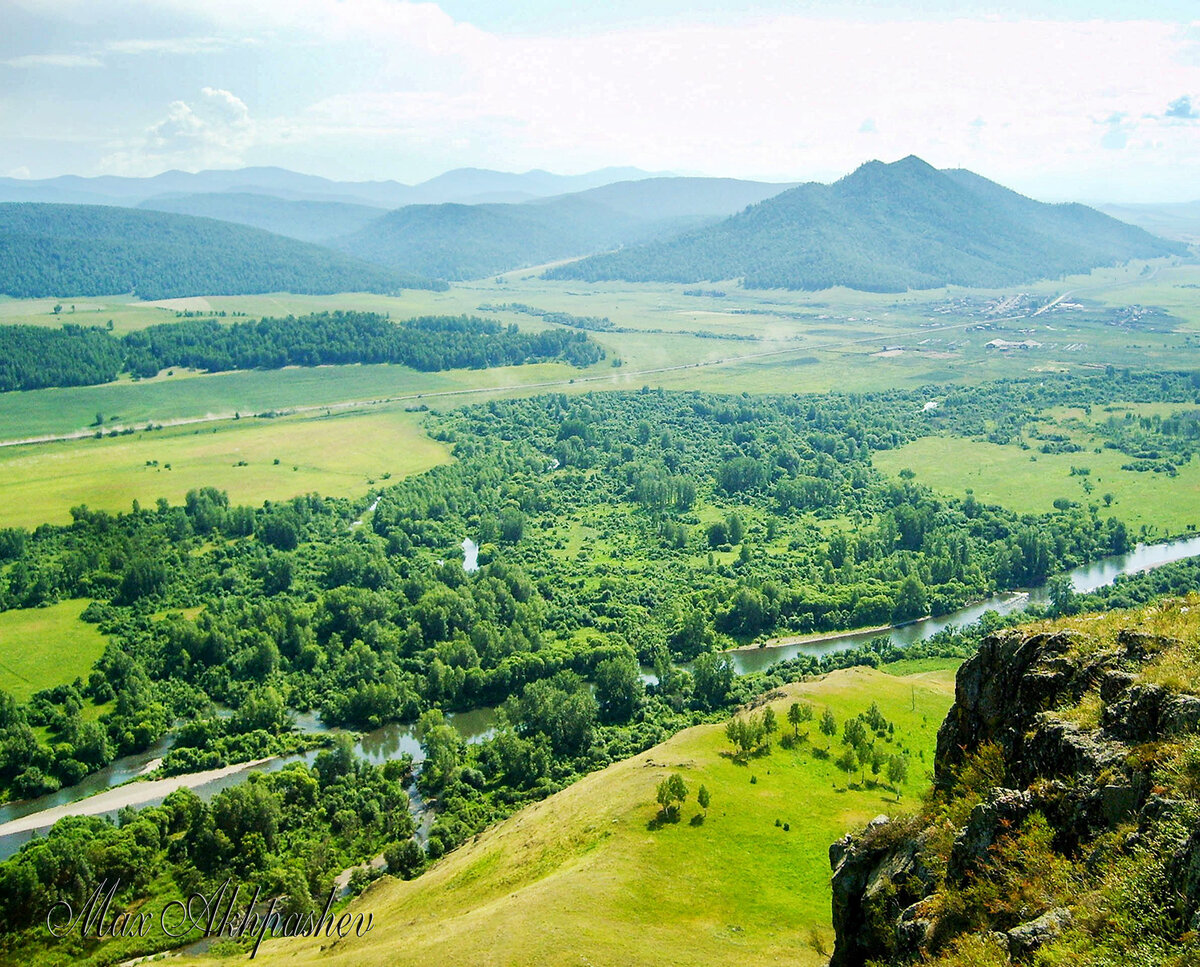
{"points": [[1029, 481], [787, 342]]}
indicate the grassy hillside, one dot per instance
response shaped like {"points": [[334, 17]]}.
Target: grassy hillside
{"points": [[591, 876], [86, 250], [886, 228]]}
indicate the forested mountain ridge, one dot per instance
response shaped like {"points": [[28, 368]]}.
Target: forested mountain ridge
{"points": [[886, 227], [84, 250], [1179, 221], [456, 241], [468, 185]]}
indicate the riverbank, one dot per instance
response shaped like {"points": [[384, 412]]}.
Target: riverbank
{"points": [[825, 636], [817, 637], [129, 794]]}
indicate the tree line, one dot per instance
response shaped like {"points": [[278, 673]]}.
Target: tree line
{"points": [[32, 357]]}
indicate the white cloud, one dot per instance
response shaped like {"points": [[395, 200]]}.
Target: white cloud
{"points": [[780, 97], [54, 60], [212, 131], [177, 45]]}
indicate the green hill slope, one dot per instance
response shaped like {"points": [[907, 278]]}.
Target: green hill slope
{"points": [[83, 250], [589, 876], [886, 228]]}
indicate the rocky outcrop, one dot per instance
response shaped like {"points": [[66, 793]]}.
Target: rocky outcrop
{"points": [[1083, 779], [1026, 938]]}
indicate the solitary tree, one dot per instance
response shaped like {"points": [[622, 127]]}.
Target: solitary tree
{"points": [[703, 798], [897, 772], [671, 792], [799, 712], [828, 724], [769, 724]]}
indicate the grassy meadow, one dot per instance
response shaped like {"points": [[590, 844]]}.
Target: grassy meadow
{"points": [[44, 647], [339, 454], [593, 876], [1028, 481]]}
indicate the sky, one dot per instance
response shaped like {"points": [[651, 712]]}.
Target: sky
{"points": [[1092, 100]]}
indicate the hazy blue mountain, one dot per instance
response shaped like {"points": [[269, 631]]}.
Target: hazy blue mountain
{"points": [[885, 228], [80, 250], [1180, 221], [461, 185], [309, 221], [453, 241], [662, 198]]}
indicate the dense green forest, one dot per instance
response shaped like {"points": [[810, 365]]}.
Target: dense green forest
{"points": [[886, 228], [616, 530], [32, 357], [288, 834], [86, 250]]}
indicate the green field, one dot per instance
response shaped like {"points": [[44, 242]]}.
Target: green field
{"points": [[590, 876], [252, 459], [44, 647], [1029, 481]]}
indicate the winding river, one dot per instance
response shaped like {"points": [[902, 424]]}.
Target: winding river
{"points": [[102, 794], [1143, 557]]}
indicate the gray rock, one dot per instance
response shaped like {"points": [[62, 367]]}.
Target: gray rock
{"points": [[1004, 809], [1026, 938], [1141, 646], [1179, 714]]}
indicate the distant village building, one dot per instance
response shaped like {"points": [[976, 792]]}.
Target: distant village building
{"points": [[1005, 344]]}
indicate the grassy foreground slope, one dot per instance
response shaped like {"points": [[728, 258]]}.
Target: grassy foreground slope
{"points": [[589, 876]]}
